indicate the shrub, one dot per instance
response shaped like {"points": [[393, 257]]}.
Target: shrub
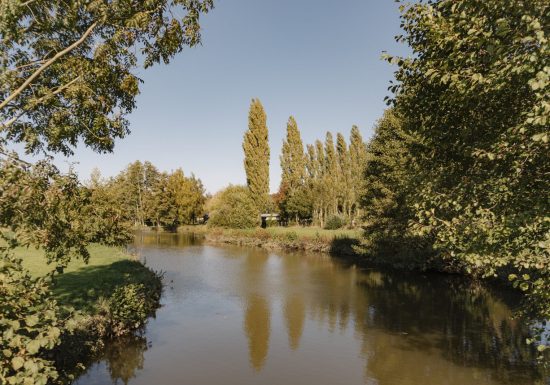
{"points": [[129, 307], [291, 236], [28, 326], [233, 208], [335, 222]]}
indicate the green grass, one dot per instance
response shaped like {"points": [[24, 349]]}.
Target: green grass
{"points": [[302, 232], [81, 285]]}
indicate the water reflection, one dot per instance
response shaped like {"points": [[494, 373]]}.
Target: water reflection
{"points": [[164, 239], [257, 329], [121, 362], [295, 314], [124, 358], [248, 316]]}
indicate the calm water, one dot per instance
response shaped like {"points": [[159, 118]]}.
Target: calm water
{"points": [[242, 316]]}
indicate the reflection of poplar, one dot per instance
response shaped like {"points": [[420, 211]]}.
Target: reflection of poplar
{"points": [[257, 329], [295, 313]]}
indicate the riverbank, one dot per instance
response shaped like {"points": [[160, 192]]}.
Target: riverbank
{"points": [[110, 297], [336, 242]]}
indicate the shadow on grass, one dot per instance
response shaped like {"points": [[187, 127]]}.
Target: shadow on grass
{"points": [[81, 289]]}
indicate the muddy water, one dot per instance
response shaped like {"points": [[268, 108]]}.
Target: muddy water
{"points": [[242, 316]]}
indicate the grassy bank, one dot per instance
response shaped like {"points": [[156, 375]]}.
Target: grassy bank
{"points": [[112, 296], [336, 242], [82, 285]]}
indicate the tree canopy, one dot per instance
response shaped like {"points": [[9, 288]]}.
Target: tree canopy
{"points": [[68, 69], [233, 207], [67, 76], [475, 96]]}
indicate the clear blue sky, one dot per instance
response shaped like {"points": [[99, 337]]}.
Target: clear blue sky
{"points": [[316, 60]]}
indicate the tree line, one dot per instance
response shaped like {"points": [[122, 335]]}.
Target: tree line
{"points": [[146, 196], [321, 181]]}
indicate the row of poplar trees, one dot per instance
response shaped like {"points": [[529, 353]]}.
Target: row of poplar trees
{"points": [[322, 180], [146, 196]]}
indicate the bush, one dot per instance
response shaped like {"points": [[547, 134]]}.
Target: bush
{"points": [[233, 208], [291, 236], [29, 326], [128, 307], [335, 222]]}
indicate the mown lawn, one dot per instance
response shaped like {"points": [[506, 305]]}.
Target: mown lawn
{"points": [[82, 285]]}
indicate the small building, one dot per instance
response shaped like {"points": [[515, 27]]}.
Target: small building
{"points": [[269, 219]]}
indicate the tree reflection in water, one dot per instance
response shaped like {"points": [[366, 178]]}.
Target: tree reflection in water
{"points": [[407, 323], [124, 358], [257, 330], [324, 319]]}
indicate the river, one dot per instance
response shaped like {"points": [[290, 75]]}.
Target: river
{"points": [[233, 315]]}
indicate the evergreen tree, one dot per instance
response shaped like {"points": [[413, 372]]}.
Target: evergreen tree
{"points": [[256, 156]]}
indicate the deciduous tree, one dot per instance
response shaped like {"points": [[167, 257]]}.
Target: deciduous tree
{"points": [[476, 91], [256, 156]]}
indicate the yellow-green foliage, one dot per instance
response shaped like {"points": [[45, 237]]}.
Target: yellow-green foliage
{"points": [[293, 163], [256, 156], [233, 208]]}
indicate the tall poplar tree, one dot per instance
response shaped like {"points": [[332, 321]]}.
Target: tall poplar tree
{"points": [[344, 176], [358, 154], [319, 187], [296, 197], [331, 175], [256, 155], [293, 163]]}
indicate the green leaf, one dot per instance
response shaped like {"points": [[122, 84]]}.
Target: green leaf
{"points": [[17, 363], [33, 346], [31, 320]]}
